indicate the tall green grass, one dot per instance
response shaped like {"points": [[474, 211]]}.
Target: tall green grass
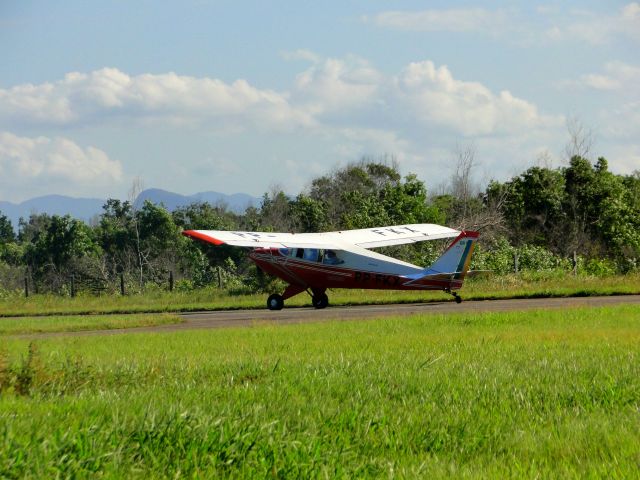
{"points": [[74, 323], [533, 394], [526, 285]]}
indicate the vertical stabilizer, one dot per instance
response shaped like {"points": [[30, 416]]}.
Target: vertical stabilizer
{"points": [[455, 260]]}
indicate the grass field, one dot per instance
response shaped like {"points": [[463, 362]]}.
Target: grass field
{"points": [[49, 324], [537, 394], [525, 285]]}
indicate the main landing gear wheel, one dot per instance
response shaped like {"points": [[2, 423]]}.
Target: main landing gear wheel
{"points": [[275, 302], [320, 301]]}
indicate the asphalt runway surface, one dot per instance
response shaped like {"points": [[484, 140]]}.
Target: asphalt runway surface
{"points": [[287, 316]]}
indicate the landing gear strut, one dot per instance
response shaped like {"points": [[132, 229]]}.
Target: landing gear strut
{"points": [[320, 300], [456, 297]]}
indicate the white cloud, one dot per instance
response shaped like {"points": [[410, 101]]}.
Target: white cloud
{"points": [[348, 92], [617, 76], [169, 97], [433, 96], [301, 54], [337, 85], [595, 28], [550, 24], [454, 20], [26, 164], [342, 108]]}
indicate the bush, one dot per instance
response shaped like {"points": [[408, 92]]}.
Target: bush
{"points": [[499, 258], [600, 267]]}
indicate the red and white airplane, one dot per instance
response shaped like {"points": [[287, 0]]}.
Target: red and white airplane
{"points": [[317, 261]]}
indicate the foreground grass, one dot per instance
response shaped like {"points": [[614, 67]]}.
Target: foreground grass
{"points": [[25, 325], [527, 285], [535, 394]]}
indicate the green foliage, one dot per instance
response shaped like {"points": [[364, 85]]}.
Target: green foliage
{"points": [[56, 247], [12, 253], [364, 195], [545, 214], [500, 259], [599, 267], [6, 230], [582, 208]]}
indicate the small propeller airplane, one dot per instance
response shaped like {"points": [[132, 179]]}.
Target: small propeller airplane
{"points": [[317, 261]]}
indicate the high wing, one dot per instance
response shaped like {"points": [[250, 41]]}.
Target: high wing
{"points": [[342, 240], [395, 235], [262, 239]]}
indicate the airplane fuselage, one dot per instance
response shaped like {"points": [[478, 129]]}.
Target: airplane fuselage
{"points": [[318, 269]]}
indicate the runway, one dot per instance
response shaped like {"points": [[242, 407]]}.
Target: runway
{"points": [[251, 318]]}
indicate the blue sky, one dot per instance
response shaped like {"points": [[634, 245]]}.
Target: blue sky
{"points": [[244, 96]]}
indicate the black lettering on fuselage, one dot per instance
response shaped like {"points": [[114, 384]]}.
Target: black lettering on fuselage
{"points": [[378, 278]]}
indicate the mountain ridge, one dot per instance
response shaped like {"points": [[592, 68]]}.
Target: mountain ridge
{"points": [[85, 208]]}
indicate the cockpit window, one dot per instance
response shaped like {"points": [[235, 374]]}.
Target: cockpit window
{"points": [[328, 257], [331, 258]]}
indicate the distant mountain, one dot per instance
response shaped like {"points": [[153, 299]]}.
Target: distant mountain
{"points": [[237, 202], [81, 208], [87, 208]]}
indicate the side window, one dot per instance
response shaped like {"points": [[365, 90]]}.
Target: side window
{"points": [[311, 254]]}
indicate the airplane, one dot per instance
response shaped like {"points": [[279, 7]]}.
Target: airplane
{"points": [[317, 261]]}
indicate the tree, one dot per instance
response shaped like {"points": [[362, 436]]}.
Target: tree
{"points": [[580, 139], [115, 233], [157, 238], [198, 260], [275, 212], [345, 192], [60, 250], [531, 204], [6, 230]]}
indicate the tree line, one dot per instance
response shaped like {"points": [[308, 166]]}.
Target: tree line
{"points": [[547, 218]]}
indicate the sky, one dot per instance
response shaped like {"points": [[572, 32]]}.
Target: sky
{"points": [[248, 96]]}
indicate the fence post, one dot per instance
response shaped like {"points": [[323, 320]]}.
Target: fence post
{"points": [[26, 287], [574, 261], [219, 277], [515, 262], [73, 286], [122, 284], [171, 281]]}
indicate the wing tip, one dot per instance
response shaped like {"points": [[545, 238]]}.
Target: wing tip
{"points": [[201, 236]]}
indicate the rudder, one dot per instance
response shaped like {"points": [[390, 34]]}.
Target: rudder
{"points": [[456, 259]]}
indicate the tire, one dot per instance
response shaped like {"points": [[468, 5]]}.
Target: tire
{"points": [[320, 301], [275, 302]]}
